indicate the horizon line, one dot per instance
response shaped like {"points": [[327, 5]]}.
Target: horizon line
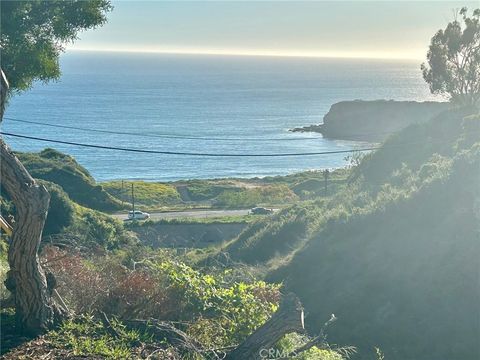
{"points": [[318, 55]]}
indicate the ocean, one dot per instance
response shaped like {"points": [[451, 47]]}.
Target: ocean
{"points": [[201, 104]]}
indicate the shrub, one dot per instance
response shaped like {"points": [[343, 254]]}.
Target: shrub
{"points": [[237, 307], [60, 212], [94, 229], [167, 290]]}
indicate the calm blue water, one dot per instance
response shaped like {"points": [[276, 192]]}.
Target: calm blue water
{"points": [[251, 99]]}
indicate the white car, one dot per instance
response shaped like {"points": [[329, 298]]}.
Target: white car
{"points": [[138, 215]]}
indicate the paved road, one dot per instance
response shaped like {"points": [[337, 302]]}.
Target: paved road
{"points": [[189, 214]]}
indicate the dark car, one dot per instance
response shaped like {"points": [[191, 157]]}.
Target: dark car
{"points": [[260, 211]]}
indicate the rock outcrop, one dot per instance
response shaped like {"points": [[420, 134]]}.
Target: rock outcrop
{"points": [[373, 120]]}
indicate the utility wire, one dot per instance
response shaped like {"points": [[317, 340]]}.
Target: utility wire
{"points": [[183, 153], [179, 136], [18, 142], [164, 136]]}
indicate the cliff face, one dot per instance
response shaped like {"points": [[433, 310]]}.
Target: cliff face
{"points": [[375, 120]]}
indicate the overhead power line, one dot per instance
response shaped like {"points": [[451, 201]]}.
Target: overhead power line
{"points": [[181, 136], [183, 153], [162, 136]]}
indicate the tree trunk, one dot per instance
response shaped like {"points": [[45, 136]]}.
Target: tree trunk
{"points": [[288, 318], [35, 309]]}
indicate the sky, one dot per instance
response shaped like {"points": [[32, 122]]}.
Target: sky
{"points": [[364, 29]]}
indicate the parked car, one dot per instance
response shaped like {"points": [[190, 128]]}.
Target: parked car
{"points": [[138, 215], [260, 211]]}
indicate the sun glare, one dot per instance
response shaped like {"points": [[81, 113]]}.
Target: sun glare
{"points": [[267, 53]]}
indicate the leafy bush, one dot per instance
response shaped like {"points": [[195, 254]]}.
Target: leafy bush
{"points": [[101, 230], [167, 290], [96, 230], [237, 308], [413, 146], [60, 212]]}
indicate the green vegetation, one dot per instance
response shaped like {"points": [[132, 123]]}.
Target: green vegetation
{"points": [[75, 195], [96, 230], [293, 341], [87, 337], [216, 310], [402, 248], [454, 59], [56, 168], [147, 194], [61, 211], [234, 308], [413, 147], [404, 228], [268, 190], [389, 244], [373, 178], [84, 336], [400, 224], [234, 219], [3, 270], [244, 198], [67, 221], [38, 31], [275, 236], [202, 190], [227, 193], [76, 181]]}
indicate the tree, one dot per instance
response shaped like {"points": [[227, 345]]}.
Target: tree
{"points": [[33, 35], [454, 60]]}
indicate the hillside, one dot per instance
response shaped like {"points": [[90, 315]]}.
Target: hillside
{"points": [[373, 120], [387, 168], [61, 169], [404, 269], [394, 256]]}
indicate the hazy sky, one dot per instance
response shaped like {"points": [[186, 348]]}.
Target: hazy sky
{"points": [[392, 29]]}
